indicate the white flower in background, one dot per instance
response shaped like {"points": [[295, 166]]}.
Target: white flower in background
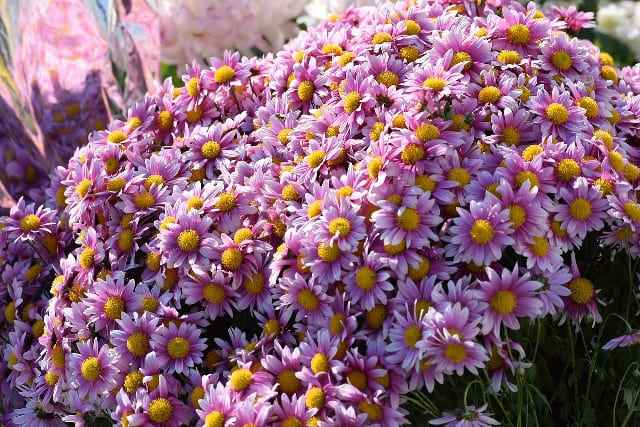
{"points": [[202, 28], [320, 10], [622, 21]]}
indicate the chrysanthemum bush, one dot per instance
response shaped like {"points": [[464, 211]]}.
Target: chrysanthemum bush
{"points": [[416, 211]]}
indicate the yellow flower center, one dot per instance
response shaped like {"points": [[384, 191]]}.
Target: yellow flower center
{"points": [[117, 137], [292, 421], [138, 344], [523, 176], [133, 380], [557, 113], [308, 300], [57, 356], [409, 53], [412, 153], [85, 259], [518, 34], [51, 378], [340, 226], [328, 252], [240, 379], [224, 74], [226, 201], [459, 175], [375, 317], [455, 352], [90, 369], [214, 419], [373, 410], [314, 398], [590, 106], [242, 234], [29, 223], [125, 240], [83, 187], [213, 294], [271, 327], [314, 209], [332, 49], [231, 259], [178, 348], [509, 57], [489, 95], [381, 37], [195, 202], [561, 60], [358, 379], [511, 135], [188, 240], [319, 363], [193, 87], [160, 410], [409, 219], [463, 56], [283, 135], [289, 193], [609, 73], [210, 150], [531, 152], [411, 27], [504, 302], [582, 290], [412, 335], [113, 308], [605, 186], [305, 90], [539, 246], [315, 158], [434, 83], [288, 382], [37, 329], [517, 215], [388, 78], [165, 120], [366, 278], [632, 209], [351, 101], [421, 270], [374, 167], [481, 231], [427, 132], [395, 249], [567, 169], [426, 183], [144, 200], [580, 209]]}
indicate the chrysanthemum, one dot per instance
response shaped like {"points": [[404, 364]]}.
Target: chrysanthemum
{"points": [[451, 341], [28, 223], [212, 290], [109, 300], [133, 336], [161, 408], [480, 234], [409, 220], [517, 30], [469, 417], [435, 81], [506, 297], [368, 284], [217, 407], [186, 240], [340, 224], [558, 115], [178, 347], [583, 208], [306, 298], [404, 335], [563, 56], [94, 368]]}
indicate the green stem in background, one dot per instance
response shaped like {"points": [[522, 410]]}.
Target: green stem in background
{"points": [[615, 403], [573, 366]]}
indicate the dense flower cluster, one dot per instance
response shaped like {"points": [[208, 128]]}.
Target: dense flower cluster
{"points": [[305, 238]]}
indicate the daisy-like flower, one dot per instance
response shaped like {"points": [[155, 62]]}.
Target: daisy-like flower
{"points": [[558, 115], [28, 223], [564, 56], [305, 298], [409, 220], [160, 408], [216, 408], [284, 366], [407, 330], [133, 335], [186, 240], [94, 369], [583, 299], [340, 224], [517, 30], [506, 297], [178, 347], [468, 49], [480, 234], [583, 208], [433, 82], [213, 290], [225, 72], [369, 283], [109, 300], [451, 341], [627, 340]]}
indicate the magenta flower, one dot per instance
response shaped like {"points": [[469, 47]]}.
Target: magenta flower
{"points": [[178, 347], [187, 240], [95, 369], [506, 297]]}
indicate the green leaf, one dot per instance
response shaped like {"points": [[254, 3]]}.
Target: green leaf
{"points": [[170, 70]]}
